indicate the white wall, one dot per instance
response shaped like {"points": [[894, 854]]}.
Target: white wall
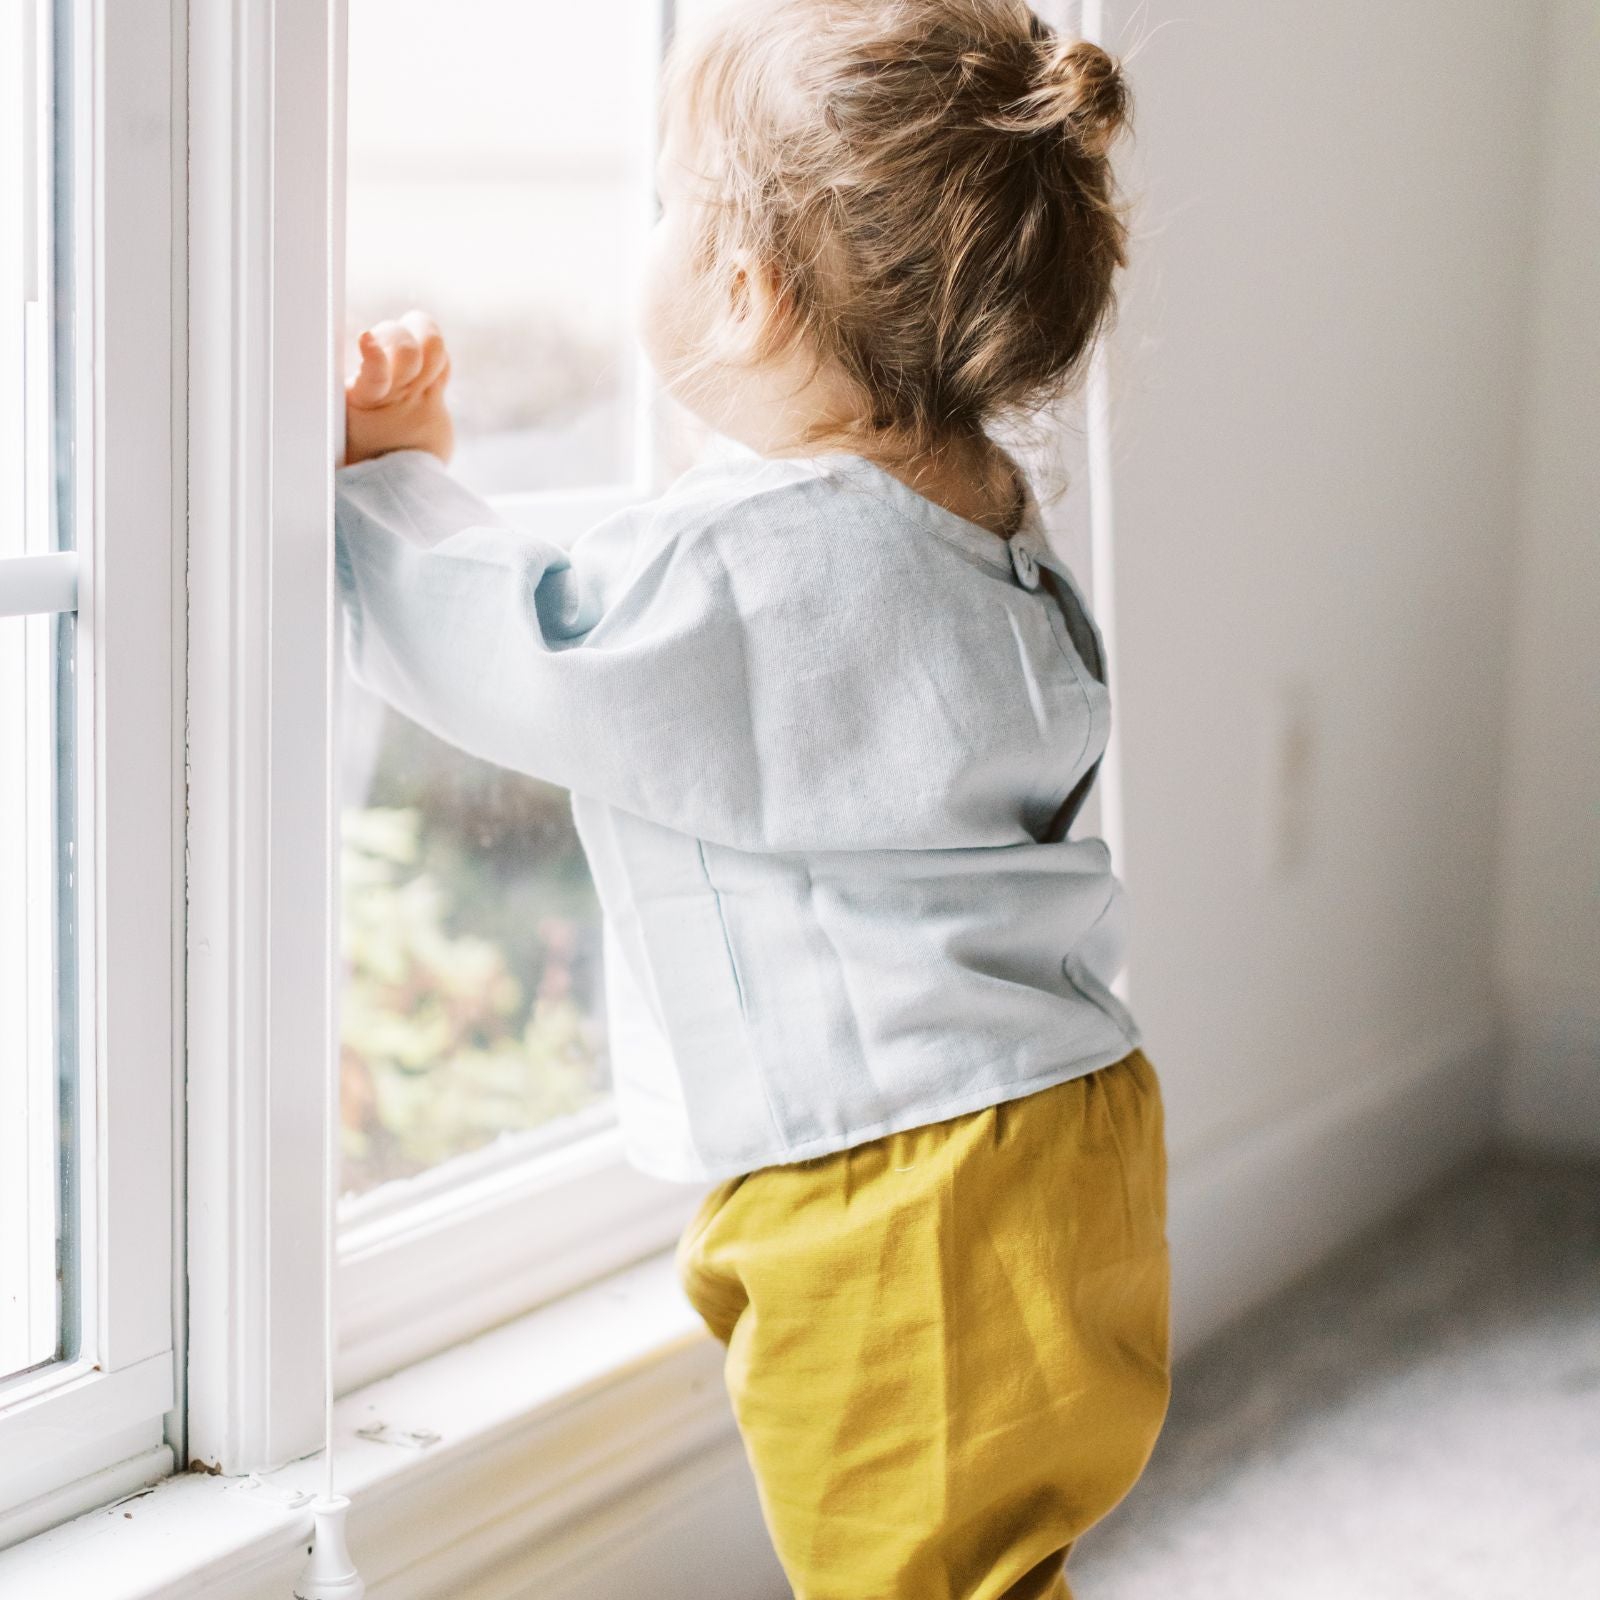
{"points": [[1549, 955], [1318, 374]]}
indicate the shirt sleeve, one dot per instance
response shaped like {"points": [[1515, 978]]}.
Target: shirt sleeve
{"points": [[611, 669]]}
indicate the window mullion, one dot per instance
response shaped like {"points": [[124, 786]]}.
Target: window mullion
{"points": [[261, 954]]}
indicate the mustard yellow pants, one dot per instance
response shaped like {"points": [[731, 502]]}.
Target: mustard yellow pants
{"points": [[947, 1348]]}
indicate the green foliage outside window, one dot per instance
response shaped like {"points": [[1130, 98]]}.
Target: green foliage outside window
{"points": [[470, 939]]}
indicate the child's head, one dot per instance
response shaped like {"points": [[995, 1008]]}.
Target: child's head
{"points": [[905, 205]]}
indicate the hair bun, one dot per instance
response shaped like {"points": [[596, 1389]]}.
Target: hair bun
{"points": [[1082, 89]]}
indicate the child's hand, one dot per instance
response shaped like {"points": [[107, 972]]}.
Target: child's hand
{"points": [[396, 400]]}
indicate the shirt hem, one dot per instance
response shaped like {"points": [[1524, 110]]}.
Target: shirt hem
{"points": [[713, 1171]]}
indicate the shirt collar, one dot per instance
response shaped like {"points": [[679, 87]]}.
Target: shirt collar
{"points": [[987, 547]]}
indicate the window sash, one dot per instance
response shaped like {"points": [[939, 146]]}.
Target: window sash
{"points": [[37, 800], [105, 1413], [427, 1262]]}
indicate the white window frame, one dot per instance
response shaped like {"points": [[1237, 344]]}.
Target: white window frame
{"points": [[76, 1431], [265, 87]]}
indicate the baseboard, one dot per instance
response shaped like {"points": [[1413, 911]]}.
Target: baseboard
{"points": [[1249, 1217], [696, 1534]]}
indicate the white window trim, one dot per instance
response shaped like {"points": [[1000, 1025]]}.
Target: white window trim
{"points": [[104, 1419], [516, 1235], [260, 719]]}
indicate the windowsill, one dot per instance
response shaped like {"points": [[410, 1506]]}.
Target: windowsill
{"points": [[506, 1434]]}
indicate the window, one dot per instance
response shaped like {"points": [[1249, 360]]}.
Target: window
{"points": [[184, 781], [488, 181], [509, 195], [492, 184], [88, 820], [38, 594]]}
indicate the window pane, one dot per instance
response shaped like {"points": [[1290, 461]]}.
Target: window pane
{"points": [[499, 179], [473, 1005], [37, 867], [500, 161], [30, 1154]]}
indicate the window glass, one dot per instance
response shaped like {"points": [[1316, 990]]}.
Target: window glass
{"points": [[37, 987], [473, 1002], [500, 160], [498, 169]]}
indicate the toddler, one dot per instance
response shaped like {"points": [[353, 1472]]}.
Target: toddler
{"points": [[828, 707]]}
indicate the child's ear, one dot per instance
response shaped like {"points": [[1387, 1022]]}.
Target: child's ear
{"points": [[755, 308]]}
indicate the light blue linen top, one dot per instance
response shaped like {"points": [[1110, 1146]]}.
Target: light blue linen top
{"points": [[824, 739]]}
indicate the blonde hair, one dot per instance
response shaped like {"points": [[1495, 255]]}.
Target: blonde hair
{"points": [[928, 179]]}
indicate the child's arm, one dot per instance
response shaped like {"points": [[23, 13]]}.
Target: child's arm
{"points": [[620, 680], [727, 664], [613, 670]]}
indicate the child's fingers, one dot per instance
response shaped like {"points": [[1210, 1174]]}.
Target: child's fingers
{"points": [[405, 351], [421, 326], [435, 365], [374, 378], [401, 359], [435, 358]]}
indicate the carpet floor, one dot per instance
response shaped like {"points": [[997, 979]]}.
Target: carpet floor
{"points": [[1418, 1418]]}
